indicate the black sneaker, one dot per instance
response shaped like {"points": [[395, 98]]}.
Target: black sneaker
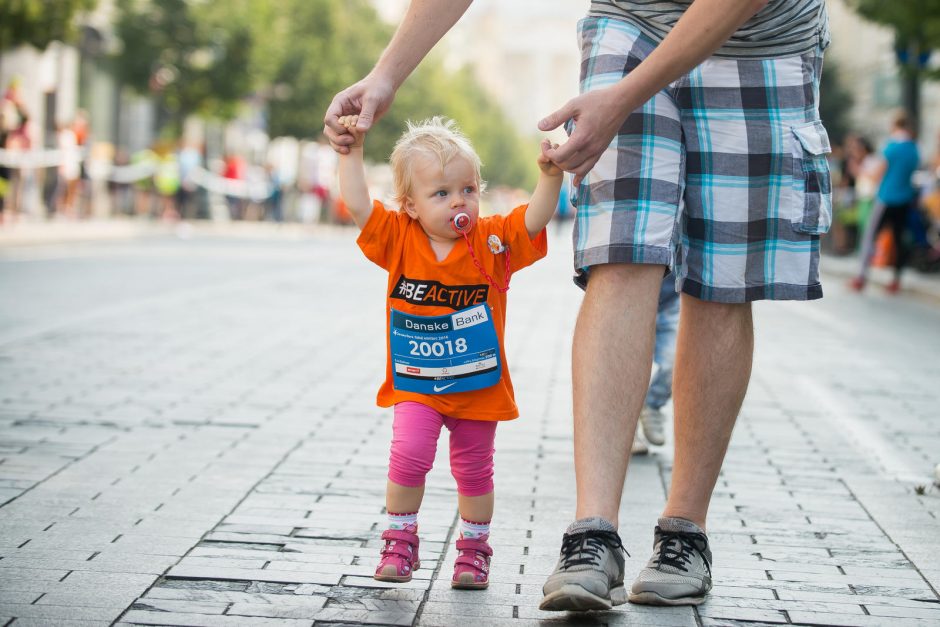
{"points": [[589, 574], [680, 572]]}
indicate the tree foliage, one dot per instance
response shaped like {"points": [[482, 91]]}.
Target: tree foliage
{"points": [[39, 22], [914, 22], [188, 55], [206, 56], [324, 45], [916, 26]]}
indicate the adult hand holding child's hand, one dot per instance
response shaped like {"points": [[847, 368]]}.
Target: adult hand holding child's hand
{"points": [[368, 99], [598, 115]]}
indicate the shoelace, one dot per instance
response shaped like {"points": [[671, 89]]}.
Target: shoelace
{"points": [[675, 549], [585, 547]]}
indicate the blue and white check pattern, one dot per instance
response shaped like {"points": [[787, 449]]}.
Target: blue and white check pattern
{"points": [[722, 175]]}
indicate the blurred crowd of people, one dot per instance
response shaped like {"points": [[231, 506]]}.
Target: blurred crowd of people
{"points": [[886, 204], [69, 176]]}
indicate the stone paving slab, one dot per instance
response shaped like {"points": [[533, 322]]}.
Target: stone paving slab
{"points": [[205, 451]]}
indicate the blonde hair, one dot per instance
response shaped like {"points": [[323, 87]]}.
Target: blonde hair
{"points": [[438, 138]]}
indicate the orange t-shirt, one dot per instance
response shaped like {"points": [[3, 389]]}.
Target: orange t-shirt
{"points": [[420, 285]]}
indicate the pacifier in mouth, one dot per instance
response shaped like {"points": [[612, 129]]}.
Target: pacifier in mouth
{"points": [[462, 223]]}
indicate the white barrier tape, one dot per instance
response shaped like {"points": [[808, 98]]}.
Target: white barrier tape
{"points": [[252, 190], [30, 159], [258, 190], [97, 169], [122, 173]]}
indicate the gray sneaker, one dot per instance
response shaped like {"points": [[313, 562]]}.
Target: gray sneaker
{"points": [[652, 421], [679, 573], [589, 574]]}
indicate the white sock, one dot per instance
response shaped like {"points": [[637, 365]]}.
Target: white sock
{"points": [[470, 530], [407, 522]]}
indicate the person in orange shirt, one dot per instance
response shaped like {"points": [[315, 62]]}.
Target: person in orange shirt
{"points": [[448, 273]]}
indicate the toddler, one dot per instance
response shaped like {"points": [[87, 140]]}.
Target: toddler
{"points": [[448, 273]]}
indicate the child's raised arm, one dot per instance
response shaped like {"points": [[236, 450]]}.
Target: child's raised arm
{"points": [[545, 197], [352, 175]]}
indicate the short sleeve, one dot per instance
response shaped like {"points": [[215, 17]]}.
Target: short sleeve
{"points": [[381, 234], [524, 251]]}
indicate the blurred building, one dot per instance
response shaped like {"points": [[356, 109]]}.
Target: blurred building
{"points": [[867, 64], [60, 80]]}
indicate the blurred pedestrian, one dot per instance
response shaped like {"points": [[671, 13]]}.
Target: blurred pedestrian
{"points": [[235, 172], [895, 201], [145, 160], [69, 171], [652, 421], [189, 159], [166, 180], [6, 173], [81, 126], [275, 200], [448, 273], [120, 189], [19, 139], [859, 174]]}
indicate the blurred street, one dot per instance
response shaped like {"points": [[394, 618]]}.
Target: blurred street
{"points": [[188, 436]]}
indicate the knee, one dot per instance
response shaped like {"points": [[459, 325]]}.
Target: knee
{"points": [[410, 462], [473, 472]]}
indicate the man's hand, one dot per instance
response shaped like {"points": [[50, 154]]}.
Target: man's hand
{"points": [[546, 165], [598, 115], [368, 99]]}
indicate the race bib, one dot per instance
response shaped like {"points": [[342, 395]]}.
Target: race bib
{"points": [[444, 354]]}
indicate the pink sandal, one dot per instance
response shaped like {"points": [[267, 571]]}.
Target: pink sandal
{"points": [[399, 556], [472, 567]]}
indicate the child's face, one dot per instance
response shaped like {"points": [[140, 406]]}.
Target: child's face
{"points": [[438, 195]]}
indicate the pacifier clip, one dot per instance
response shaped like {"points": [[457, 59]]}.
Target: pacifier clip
{"points": [[462, 224]]}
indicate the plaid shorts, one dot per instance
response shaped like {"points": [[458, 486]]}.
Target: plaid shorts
{"points": [[721, 176]]}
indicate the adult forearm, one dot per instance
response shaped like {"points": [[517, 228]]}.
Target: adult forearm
{"points": [[704, 28], [424, 24]]}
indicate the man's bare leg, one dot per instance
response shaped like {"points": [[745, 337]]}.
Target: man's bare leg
{"points": [[611, 363], [714, 350]]}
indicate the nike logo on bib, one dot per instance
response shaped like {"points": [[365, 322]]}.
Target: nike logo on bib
{"points": [[441, 388]]}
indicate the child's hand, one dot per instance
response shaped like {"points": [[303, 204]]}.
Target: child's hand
{"points": [[349, 122], [546, 165]]}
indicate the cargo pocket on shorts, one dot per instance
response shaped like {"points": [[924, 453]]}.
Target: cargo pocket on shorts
{"points": [[812, 187]]}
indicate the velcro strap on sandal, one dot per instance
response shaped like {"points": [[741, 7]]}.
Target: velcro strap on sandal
{"points": [[402, 549], [478, 546], [467, 559], [400, 536]]}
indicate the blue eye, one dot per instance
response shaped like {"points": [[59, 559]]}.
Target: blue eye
{"points": [[440, 193], [469, 189]]}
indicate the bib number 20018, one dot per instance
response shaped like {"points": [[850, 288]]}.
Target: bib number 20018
{"points": [[438, 349], [444, 354]]}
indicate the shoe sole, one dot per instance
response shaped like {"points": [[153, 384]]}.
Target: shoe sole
{"points": [[574, 598], [456, 585], [396, 578], [651, 598]]}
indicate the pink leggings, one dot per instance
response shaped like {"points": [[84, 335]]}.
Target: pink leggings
{"points": [[415, 432]]}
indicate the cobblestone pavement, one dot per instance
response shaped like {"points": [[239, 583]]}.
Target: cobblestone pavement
{"points": [[188, 437]]}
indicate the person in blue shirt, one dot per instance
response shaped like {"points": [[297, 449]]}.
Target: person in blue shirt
{"points": [[896, 198]]}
